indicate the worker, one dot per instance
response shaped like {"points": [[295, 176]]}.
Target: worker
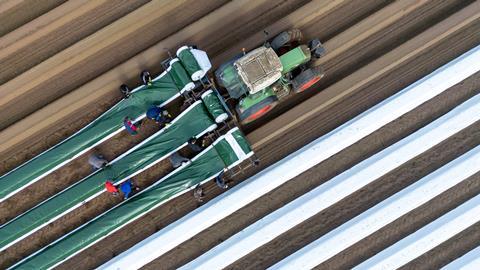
{"points": [[198, 193], [97, 161], [126, 187], [196, 145], [220, 181], [177, 160], [111, 188], [131, 127], [159, 115]]}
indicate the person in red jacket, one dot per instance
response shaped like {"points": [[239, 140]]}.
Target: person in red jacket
{"points": [[131, 127], [111, 188]]}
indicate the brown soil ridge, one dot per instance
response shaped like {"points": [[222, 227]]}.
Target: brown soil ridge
{"points": [[56, 30], [15, 13]]}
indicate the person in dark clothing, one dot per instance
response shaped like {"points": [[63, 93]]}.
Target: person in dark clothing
{"points": [[198, 193], [220, 181], [127, 187], [159, 115], [131, 127], [196, 145], [97, 161], [177, 160]]}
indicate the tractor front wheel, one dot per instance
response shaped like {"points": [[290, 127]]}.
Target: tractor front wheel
{"points": [[307, 79], [258, 110]]}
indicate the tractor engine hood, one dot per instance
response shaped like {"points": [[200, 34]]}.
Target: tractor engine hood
{"points": [[259, 69]]}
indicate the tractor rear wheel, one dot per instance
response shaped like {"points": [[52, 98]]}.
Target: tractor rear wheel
{"points": [[258, 110], [286, 38], [307, 79]]}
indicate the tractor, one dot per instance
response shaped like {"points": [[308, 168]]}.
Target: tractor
{"points": [[258, 80]]}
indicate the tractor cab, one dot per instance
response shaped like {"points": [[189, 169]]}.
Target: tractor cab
{"points": [[259, 69]]}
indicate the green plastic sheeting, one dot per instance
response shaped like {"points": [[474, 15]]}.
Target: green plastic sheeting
{"points": [[162, 90], [203, 167], [192, 122], [190, 63], [180, 76], [214, 107], [242, 142], [226, 153]]}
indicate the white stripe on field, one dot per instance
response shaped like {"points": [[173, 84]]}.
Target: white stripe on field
{"points": [[427, 238], [383, 213], [305, 158], [338, 188], [469, 261]]}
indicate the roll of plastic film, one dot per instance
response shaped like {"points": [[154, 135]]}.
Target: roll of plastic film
{"points": [[190, 63], [214, 107], [180, 76]]}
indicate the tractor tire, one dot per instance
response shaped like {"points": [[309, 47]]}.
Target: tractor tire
{"points": [[307, 79], [258, 110], [125, 90], [145, 77], [285, 38]]}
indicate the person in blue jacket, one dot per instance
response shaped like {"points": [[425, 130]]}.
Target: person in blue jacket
{"points": [[221, 181], [127, 187], [159, 115]]}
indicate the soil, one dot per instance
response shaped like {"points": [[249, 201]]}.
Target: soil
{"points": [[370, 71], [56, 30], [15, 13]]}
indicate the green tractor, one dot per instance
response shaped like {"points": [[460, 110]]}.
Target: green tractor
{"points": [[258, 80]]}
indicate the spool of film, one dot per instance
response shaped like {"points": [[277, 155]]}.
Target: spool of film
{"points": [[180, 76], [190, 63], [214, 107]]}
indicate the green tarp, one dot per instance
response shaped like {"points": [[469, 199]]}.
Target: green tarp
{"points": [[203, 167], [162, 90], [192, 122], [180, 76], [190, 63], [216, 109]]}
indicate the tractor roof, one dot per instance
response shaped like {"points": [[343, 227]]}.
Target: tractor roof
{"points": [[259, 68]]}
